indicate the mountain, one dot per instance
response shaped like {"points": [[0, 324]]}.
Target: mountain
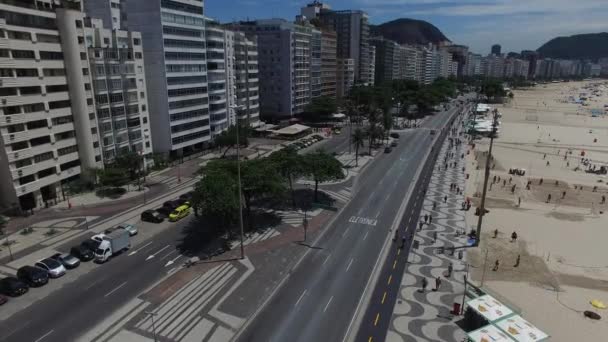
{"points": [[580, 46], [409, 31]]}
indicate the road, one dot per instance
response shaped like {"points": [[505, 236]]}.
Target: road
{"points": [[319, 298], [78, 306]]}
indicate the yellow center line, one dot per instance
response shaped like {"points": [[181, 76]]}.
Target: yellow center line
{"points": [[370, 339], [395, 264], [377, 318], [383, 297], [389, 279], [398, 251]]}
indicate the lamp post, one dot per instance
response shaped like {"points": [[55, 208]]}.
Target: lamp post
{"points": [[152, 314], [238, 168]]}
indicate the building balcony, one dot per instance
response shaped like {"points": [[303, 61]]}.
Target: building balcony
{"points": [[40, 183]]}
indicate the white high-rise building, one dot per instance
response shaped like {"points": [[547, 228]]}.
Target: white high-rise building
{"points": [[47, 109], [176, 63]]}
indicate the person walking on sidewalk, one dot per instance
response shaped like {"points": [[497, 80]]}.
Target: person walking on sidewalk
{"points": [[437, 283], [425, 283]]}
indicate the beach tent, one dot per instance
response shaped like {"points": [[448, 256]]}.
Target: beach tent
{"points": [[488, 333], [521, 330], [489, 308]]}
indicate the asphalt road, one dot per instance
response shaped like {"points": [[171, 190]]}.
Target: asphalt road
{"points": [[79, 306], [319, 298], [376, 321]]}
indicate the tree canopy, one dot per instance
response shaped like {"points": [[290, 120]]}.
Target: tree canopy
{"points": [[322, 167], [320, 108]]}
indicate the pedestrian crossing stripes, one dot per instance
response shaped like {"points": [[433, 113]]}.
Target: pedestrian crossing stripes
{"points": [[175, 317], [343, 195], [256, 237], [171, 181]]}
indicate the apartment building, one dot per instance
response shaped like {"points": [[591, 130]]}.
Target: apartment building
{"points": [[243, 78], [345, 76], [328, 63], [119, 84], [175, 54], [284, 62], [371, 70], [352, 29], [47, 111], [315, 63]]}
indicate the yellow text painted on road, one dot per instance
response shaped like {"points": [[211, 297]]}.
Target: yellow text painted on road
{"points": [[383, 297], [377, 319], [389, 279]]}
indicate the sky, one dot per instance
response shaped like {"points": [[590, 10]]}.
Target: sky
{"points": [[515, 24]]}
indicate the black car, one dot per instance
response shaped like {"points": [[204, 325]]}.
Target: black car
{"points": [[186, 197], [394, 135], [82, 252], [151, 216], [3, 300], [171, 205], [13, 287], [164, 212], [33, 276], [387, 150]]}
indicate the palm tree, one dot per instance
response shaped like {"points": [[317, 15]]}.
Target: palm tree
{"points": [[358, 139]]}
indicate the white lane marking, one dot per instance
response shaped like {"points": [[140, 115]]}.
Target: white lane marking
{"points": [[377, 214], [329, 302], [116, 289], [153, 255], [345, 232], [168, 254], [327, 258], [45, 335], [301, 296], [365, 236], [171, 262], [349, 264], [140, 248], [93, 284]]}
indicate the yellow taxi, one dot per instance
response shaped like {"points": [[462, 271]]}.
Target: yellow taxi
{"points": [[179, 213]]}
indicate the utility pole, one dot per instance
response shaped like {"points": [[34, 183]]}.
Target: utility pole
{"points": [[238, 168], [482, 209]]}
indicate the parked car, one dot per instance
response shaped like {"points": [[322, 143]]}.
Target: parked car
{"points": [[53, 267], [394, 135], [433, 132], [128, 227], [394, 143], [172, 204], [13, 287], [90, 244], [179, 213], [151, 216], [69, 261], [3, 300], [83, 253], [164, 211], [187, 196], [33, 276], [387, 149]]}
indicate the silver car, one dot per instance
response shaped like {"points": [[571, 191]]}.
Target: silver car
{"points": [[67, 260], [128, 227], [53, 267]]}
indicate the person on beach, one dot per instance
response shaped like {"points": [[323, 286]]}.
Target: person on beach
{"points": [[437, 283], [514, 237], [425, 283]]}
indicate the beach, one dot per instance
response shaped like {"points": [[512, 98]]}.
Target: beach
{"points": [[558, 209]]}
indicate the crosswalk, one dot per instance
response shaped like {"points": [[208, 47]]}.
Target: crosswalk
{"points": [[171, 181], [174, 319], [343, 195], [256, 237]]}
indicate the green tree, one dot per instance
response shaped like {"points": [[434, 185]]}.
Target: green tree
{"points": [[216, 196], [3, 223], [322, 167], [358, 139], [320, 108], [259, 178], [227, 139], [132, 162], [290, 165], [387, 123], [112, 177]]}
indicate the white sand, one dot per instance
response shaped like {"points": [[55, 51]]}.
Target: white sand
{"points": [[570, 235]]}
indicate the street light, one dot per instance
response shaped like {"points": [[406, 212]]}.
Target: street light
{"points": [[238, 168]]}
